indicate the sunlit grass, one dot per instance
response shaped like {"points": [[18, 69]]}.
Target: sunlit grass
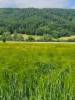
{"points": [[30, 71]]}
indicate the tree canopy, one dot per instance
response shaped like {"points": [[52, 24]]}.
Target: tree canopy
{"points": [[54, 22]]}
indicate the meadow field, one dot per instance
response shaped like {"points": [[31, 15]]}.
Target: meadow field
{"points": [[37, 71]]}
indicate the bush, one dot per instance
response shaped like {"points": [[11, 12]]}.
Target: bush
{"points": [[17, 37], [71, 40], [30, 38], [4, 37], [45, 38]]}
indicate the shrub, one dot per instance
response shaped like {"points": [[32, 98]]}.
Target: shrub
{"points": [[71, 40], [17, 37], [46, 38], [30, 38], [4, 37]]}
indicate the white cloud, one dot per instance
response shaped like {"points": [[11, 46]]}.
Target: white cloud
{"points": [[41, 3], [36, 3]]}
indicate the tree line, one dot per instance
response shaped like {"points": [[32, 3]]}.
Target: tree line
{"points": [[32, 21]]}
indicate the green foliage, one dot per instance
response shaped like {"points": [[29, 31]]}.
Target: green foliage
{"points": [[9, 37], [30, 38], [71, 40], [55, 22], [17, 37], [43, 30], [4, 37], [30, 71], [46, 38]]}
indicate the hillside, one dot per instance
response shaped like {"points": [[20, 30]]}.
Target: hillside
{"points": [[55, 22]]}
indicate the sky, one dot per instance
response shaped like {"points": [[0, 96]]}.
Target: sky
{"points": [[37, 3]]}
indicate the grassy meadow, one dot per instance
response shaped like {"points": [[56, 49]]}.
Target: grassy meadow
{"points": [[37, 71]]}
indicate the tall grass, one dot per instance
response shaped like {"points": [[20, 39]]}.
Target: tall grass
{"points": [[37, 71]]}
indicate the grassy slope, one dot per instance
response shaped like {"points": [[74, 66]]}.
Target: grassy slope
{"points": [[37, 71], [70, 38]]}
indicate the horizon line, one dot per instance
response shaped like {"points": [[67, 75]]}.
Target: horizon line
{"points": [[33, 8]]}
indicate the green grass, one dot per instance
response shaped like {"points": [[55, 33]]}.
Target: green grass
{"points": [[36, 71]]}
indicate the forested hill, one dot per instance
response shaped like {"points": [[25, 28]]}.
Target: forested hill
{"points": [[55, 22]]}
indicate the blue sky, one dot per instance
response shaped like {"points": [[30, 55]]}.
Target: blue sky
{"points": [[37, 3], [71, 4]]}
